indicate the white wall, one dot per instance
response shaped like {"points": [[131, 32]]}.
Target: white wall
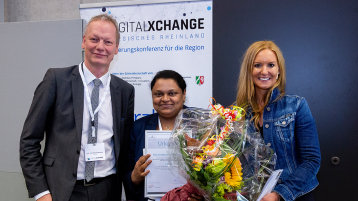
{"points": [[2, 11], [35, 10], [27, 50]]}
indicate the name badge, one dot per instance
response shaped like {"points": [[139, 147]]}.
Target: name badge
{"points": [[95, 152]]}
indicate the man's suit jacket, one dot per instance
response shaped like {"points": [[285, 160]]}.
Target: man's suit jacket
{"points": [[57, 110]]}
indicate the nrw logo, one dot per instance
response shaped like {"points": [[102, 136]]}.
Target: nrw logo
{"points": [[199, 80]]}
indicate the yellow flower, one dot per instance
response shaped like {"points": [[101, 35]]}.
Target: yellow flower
{"points": [[233, 177], [229, 158]]}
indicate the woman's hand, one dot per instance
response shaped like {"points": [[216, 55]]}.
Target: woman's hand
{"points": [[139, 171], [271, 197]]}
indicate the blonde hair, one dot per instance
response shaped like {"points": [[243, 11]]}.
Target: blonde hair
{"points": [[106, 18], [245, 86]]}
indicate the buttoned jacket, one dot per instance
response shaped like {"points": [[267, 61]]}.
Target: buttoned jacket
{"points": [[290, 130]]}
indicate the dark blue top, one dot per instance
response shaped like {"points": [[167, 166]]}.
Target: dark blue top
{"points": [[137, 143]]}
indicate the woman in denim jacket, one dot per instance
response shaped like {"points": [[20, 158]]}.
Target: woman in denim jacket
{"points": [[284, 121]]}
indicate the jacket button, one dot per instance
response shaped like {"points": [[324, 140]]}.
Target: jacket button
{"points": [[268, 109], [74, 175], [284, 122], [78, 151], [268, 144], [267, 126]]}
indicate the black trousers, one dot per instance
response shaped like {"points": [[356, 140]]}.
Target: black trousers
{"points": [[105, 190], [307, 197]]}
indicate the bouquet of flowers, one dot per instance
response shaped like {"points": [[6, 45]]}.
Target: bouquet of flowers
{"points": [[218, 156]]}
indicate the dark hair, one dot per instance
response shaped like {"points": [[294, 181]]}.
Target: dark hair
{"points": [[169, 74]]}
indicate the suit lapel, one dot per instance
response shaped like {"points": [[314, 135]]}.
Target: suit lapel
{"points": [[116, 98], [77, 94]]}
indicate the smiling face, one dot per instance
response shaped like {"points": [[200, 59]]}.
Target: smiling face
{"points": [[168, 98], [99, 44], [265, 71]]}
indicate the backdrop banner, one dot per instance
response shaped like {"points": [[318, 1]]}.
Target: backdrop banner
{"points": [[158, 36]]}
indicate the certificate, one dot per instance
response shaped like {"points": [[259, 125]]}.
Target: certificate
{"points": [[163, 176], [271, 183]]}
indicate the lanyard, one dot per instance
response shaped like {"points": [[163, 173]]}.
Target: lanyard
{"points": [[88, 99]]}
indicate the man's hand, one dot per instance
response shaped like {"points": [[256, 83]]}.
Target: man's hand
{"points": [[46, 197], [139, 171], [271, 197]]}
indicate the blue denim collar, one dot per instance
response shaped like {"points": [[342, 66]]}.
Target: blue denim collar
{"points": [[275, 93]]}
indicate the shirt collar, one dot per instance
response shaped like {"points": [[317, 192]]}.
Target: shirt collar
{"points": [[89, 77]]}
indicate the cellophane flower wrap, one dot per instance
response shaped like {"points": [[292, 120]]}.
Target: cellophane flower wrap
{"points": [[216, 154]]}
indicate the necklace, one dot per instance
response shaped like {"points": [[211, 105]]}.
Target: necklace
{"points": [[164, 127], [167, 128]]}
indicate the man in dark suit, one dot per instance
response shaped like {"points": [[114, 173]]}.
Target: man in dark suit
{"points": [[85, 114]]}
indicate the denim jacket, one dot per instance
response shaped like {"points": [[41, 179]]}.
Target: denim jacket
{"points": [[290, 130]]}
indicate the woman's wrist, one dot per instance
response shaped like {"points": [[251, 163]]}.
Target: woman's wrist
{"points": [[277, 195]]}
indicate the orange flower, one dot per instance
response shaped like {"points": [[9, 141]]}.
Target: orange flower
{"points": [[198, 163]]}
